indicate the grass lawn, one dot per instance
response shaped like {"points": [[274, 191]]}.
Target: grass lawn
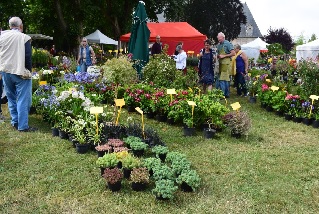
{"points": [[274, 170]]}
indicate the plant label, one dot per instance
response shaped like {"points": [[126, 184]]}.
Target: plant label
{"points": [[42, 82], [274, 88], [72, 90], [96, 110], [171, 91], [191, 103], [268, 80], [139, 110], [314, 97], [235, 106], [119, 102]]}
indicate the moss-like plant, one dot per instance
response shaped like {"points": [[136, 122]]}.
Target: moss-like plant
{"points": [[164, 188], [107, 161], [138, 145], [172, 156], [130, 162], [151, 163], [162, 172], [190, 177], [179, 165], [131, 139], [160, 150]]}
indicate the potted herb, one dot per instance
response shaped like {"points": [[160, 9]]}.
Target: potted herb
{"points": [[179, 165], [189, 180], [107, 161], [102, 149], [120, 157], [162, 172], [189, 130], [138, 148], [209, 132], [131, 139], [81, 146], [164, 189], [113, 178], [238, 123], [174, 156], [115, 142], [128, 163], [315, 123], [160, 152], [139, 178], [151, 163]]}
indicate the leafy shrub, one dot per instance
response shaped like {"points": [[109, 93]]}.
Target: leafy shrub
{"points": [[140, 175], [112, 176], [164, 188], [190, 177]]}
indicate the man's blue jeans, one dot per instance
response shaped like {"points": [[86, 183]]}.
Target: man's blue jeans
{"points": [[84, 67], [19, 94], [224, 86]]}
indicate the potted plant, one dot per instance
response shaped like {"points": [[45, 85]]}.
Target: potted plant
{"points": [[315, 122], [120, 149], [151, 163], [81, 145], [164, 189], [102, 149], [189, 129], [174, 156], [128, 163], [278, 102], [139, 178], [238, 123], [179, 165], [189, 180], [160, 152], [209, 132], [120, 156], [138, 148], [115, 142], [113, 178], [107, 161], [252, 86], [162, 172], [131, 139]]}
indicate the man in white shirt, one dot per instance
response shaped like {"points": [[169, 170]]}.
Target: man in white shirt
{"points": [[180, 59]]}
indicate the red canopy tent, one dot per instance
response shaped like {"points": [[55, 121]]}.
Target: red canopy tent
{"points": [[173, 32]]}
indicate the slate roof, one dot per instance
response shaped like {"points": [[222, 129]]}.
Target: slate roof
{"points": [[250, 21]]}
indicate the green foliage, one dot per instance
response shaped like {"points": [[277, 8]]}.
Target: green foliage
{"points": [[238, 122], [138, 145], [119, 71], [162, 172], [164, 188], [130, 162], [151, 163], [174, 156], [179, 165], [278, 101], [280, 36], [190, 177], [309, 73], [191, 62], [107, 161], [275, 49], [140, 175], [131, 139], [160, 150]]}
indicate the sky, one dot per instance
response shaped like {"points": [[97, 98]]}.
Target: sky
{"points": [[297, 17]]}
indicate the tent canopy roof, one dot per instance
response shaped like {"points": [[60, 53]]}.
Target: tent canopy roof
{"points": [[314, 45], [40, 36], [98, 37], [171, 31], [257, 44]]}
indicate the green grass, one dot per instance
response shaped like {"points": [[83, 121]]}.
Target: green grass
{"points": [[273, 170]]}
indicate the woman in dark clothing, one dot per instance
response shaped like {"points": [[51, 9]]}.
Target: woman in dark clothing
{"points": [[206, 66], [241, 70]]}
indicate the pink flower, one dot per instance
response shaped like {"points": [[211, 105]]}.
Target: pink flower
{"points": [[148, 96], [264, 87], [139, 91], [184, 92]]}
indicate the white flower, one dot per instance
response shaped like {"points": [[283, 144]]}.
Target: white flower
{"points": [[75, 94], [93, 95], [45, 71], [50, 71], [62, 72], [129, 119]]}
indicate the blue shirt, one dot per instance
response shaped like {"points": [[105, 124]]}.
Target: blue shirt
{"points": [[227, 47]]}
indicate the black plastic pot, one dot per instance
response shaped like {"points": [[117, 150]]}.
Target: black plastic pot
{"points": [[130, 108], [137, 186], [150, 115], [161, 118], [235, 135], [100, 153], [55, 132], [307, 121], [252, 99], [161, 198], [138, 153], [102, 170], [263, 105], [127, 173], [288, 117], [189, 131], [115, 187], [269, 108], [280, 113], [162, 157], [297, 119], [209, 133], [82, 148], [63, 134], [32, 110], [186, 188], [119, 165], [170, 121], [315, 124]]}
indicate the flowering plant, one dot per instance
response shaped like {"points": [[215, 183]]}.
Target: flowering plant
{"points": [[113, 176], [74, 101], [293, 104]]}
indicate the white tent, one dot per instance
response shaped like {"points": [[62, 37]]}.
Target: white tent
{"points": [[98, 37], [40, 36], [253, 48], [308, 51]]}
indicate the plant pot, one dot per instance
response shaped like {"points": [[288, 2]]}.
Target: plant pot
{"points": [[130, 108], [147, 141], [161, 118], [252, 99], [161, 198], [150, 115], [263, 105], [162, 157], [102, 170], [235, 135], [82, 148], [307, 121], [55, 132], [63, 134], [114, 187], [74, 142], [100, 153], [297, 119], [315, 124], [189, 131], [138, 153], [204, 126], [137, 186], [209, 133], [170, 121], [32, 110], [186, 188], [288, 117], [280, 113], [151, 172], [127, 173], [119, 165], [269, 108]]}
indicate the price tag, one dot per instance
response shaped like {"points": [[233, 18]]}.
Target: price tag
{"points": [[235, 106], [42, 82], [96, 110], [119, 102]]}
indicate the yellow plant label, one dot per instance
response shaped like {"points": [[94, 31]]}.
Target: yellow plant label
{"points": [[274, 88], [42, 82], [268, 80], [119, 102], [139, 110], [110, 51], [171, 91], [96, 110], [191, 103], [255, 83], [235, 106], [72, 89], [249, 74], [314, 97], [257, 76]]}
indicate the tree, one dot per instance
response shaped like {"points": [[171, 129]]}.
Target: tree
{"points": [[312, 38], [300, 40], [280, 36]]}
